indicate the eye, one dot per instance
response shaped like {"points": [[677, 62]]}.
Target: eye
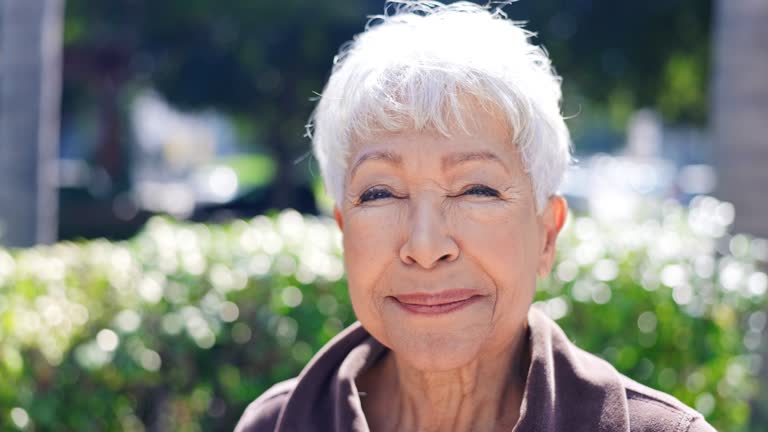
{"points": [[481, 190], [374, 194]]}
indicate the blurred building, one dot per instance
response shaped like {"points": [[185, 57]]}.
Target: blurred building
{"points": [[657, 162], [30, 83], [739, 110]]}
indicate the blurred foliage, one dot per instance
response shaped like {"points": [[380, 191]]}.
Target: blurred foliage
{"points": [[252, 170], [182, 326]]}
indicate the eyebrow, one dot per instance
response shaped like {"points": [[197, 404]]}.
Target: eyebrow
{"points": [[391, 158], [452, 159], [448, 161]]}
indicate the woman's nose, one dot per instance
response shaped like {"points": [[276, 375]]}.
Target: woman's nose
{"points": [[428, 238]]}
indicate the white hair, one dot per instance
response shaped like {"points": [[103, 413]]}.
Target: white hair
{"points": [[410, 68]]}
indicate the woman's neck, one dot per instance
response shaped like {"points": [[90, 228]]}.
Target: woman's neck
{"points": [[483, 395]]}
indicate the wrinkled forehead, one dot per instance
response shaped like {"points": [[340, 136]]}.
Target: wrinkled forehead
{"points": [[480, 133]]}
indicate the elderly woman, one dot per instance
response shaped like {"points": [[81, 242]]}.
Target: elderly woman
{"points": [[440, 137]]}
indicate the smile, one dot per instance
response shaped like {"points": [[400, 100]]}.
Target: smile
{"points": [[437, 304]]}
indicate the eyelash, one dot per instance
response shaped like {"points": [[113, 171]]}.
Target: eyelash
{"points": [[371, 193]]}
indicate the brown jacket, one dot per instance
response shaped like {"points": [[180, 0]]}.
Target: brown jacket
{"points": [[567, 389]]}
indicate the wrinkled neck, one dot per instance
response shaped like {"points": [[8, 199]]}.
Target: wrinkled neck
{"points": [[484, 394]]}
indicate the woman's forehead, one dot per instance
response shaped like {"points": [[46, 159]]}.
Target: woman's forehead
{"points": [[487, 142]]}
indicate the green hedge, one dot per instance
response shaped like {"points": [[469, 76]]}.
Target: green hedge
{"points": [[182, 326]]}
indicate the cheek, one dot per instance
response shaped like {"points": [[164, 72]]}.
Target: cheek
{"points": [[503, 242], [501, 227], [368, 238], [370, 247]]}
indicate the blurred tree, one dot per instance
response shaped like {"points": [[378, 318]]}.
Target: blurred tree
{"points": [[263, 61], [30, 67], [259, 61], [618, 57]]}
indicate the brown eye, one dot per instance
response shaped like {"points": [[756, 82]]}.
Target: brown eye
{"points": [[481, 190], [374, 194]]}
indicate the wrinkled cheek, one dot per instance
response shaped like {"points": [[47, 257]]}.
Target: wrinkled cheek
{"points": [[359, 267], [368, 251], [490, 226], [360, 288], [365, 248], [370, 236], [505, 248]]}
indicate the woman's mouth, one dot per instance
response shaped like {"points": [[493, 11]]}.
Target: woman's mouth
{"points": [[437, 303]]}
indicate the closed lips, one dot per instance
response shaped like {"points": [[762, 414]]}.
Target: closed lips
{"points": [[439, 298]]}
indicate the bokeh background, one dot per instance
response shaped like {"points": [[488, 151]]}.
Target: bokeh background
{"points": [[167, 253]]}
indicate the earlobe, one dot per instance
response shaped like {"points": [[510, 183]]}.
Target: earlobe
{"points": [[339, 219]]}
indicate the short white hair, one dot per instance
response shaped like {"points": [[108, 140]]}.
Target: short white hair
{"points": [[409, 69]]}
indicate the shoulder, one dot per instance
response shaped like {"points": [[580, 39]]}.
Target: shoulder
{"points": [[653, 411], [262, 414]]}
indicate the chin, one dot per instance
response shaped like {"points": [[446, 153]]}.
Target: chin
{"points": [[436, 350], [437, 360]]}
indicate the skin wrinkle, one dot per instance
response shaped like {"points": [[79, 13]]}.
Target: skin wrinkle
{"points": [[464, 370], [448, 161], [469, 384]]}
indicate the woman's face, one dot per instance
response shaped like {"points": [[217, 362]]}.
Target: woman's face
{"points": [[442, 242]]}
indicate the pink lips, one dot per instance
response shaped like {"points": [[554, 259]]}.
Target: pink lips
{"points": [[437, 303]]}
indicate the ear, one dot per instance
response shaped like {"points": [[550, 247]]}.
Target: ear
{"points": [[551, 221], [337, 216]]}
